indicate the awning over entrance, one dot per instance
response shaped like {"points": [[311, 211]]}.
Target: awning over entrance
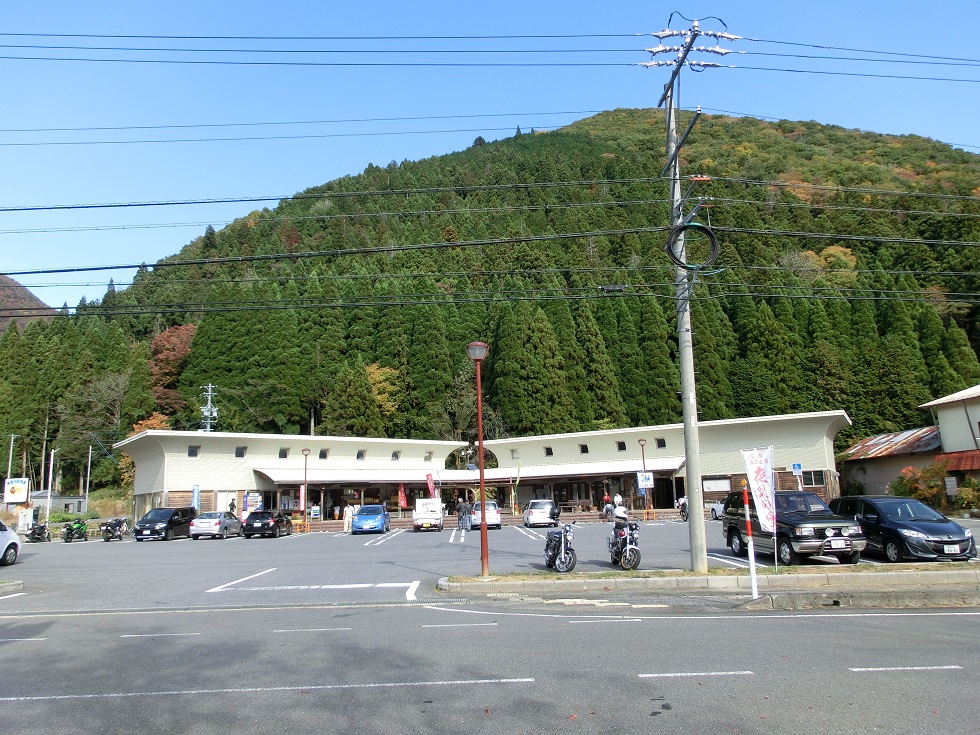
{"points": [[412, 475]]}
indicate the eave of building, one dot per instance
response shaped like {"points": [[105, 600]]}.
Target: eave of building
{"points": [[963, 395], [912, 441]]}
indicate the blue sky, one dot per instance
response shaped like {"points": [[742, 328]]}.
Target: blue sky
{"points": [[84, 132]]}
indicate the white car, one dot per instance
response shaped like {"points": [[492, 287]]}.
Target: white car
{"points": [[538, 513], [717, 509], [10, 543], [493, 515]]}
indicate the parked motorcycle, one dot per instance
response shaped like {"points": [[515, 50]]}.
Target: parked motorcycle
{"points": [[558, 551], [76, 530], [115, 528], [39, 532], [681, 505], [624, 541]]}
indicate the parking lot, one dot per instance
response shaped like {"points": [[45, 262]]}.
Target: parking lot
{"points": [[318, 568]]}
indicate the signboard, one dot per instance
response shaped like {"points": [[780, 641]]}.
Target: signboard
{"points": [[251, 502], [302, 498], [644, 480], [758, 467], [16, 489], [196, 496], [402, 501], [797, 469], [315, 512], [431, 484]]}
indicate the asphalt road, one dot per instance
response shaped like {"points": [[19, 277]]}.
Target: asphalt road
{"points": [[335, 633]]}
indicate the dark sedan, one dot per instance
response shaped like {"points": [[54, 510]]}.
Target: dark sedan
{"points": [[267, 523], [905, 529]]}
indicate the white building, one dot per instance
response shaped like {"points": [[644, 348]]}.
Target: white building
{"points": [[212, 469]]}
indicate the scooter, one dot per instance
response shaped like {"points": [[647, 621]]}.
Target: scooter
{"points": [[682, 507], [39, 532], [558, 551], [115, 528], [75, 530], [624, 541]]}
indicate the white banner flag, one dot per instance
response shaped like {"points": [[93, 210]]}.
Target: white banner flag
{"points": [[758, 467]]}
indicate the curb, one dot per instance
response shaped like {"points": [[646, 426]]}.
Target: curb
{"points": [[777, 592], [7, 587]]}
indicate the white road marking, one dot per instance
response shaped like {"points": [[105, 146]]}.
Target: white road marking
{"points": [[410, 587], [682, 674], [384, 537], [606, 620], [243, 579], [312, 630], [15, 640], [15, 594], [460, 625], [156, 635], [906, 668], [254, 690]]}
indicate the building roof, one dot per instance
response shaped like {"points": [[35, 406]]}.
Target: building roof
{"points": [[961, 461], [963, 395], [912, 441]]}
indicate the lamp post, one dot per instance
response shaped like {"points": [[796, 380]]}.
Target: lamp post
{"points": [[477, 351], [643, 459], [302, 492]]}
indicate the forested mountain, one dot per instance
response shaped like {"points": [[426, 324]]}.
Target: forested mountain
{"points": [[846, 278]]}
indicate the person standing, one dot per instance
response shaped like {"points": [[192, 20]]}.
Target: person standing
{"points": [[618, 500], [348, 517], [460, 515], [467, 513]]}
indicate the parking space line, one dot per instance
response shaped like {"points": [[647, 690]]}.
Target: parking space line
{"points": [[243, 579], [156, 635], [21, 640], [460, 625], [259, 690], [876, 669], [689, 674], [384, 537], [313, 630]]}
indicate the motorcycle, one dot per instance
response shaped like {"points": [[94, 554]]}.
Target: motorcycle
{"points": [[39, 532], [681, 505], [114, 528], [558, 551], [624, 541], [75, 530]]}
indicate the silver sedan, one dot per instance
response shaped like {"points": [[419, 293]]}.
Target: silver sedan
{"points": [[216, 524]]}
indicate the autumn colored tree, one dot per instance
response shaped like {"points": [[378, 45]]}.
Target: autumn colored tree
{"points": [[170, 350]]}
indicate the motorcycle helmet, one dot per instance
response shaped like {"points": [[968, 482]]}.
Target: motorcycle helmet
{"points": [[620, 514], [554, 512]]}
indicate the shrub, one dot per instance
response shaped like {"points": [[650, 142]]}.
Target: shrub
{"points": [[927, 484], [967, 497]]}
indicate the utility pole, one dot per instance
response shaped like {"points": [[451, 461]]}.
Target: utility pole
{"points": [[684, 276], [209, 412], [10, 457]]}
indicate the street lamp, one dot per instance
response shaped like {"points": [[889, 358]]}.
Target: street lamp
{"points": [[643, 458], [477, 351], [302, 492]]}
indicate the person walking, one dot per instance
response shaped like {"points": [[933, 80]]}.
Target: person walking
{"points": [[460, 515], [348, 517]]}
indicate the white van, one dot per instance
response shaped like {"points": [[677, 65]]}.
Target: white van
{"points": [[427, 514]]}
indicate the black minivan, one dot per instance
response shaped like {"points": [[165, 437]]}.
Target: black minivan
{"points": [[164, 523]]}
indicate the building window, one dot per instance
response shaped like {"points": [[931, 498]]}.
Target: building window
{"points": [[813, 478], [361, 454], [240, 451], [661, 443], [549, 452], [428, 457], [515, 453], [283, 452], [395, 456], [583, 448], [194, 451], [324, 453], [620, 446]]}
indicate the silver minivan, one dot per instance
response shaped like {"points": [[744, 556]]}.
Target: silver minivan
{"points": [[538, 513]]}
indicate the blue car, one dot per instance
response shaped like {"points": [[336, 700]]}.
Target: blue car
{"points": [[371, 519]]}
